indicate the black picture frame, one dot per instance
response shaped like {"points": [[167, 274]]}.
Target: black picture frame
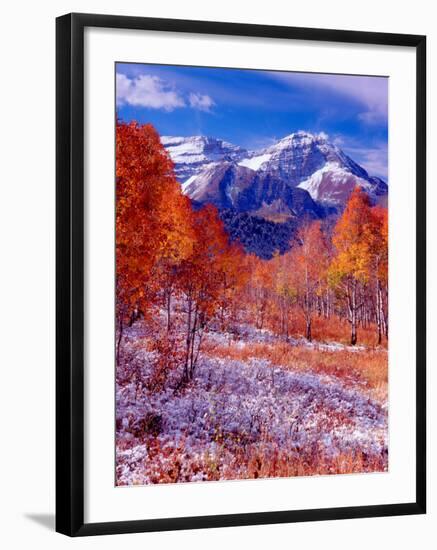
{"points": [[70, 273]]}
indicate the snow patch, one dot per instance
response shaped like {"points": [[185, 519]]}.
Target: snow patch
{"points": [[187, 183], [254, 163], [332, 183]]}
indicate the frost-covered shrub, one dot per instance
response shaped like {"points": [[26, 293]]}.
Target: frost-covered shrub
{"points": [[252, 410]]}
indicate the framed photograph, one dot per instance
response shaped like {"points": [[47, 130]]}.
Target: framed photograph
{"points": [[240, 274]]}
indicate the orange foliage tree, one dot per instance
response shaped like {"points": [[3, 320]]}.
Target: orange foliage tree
{"points": [[260, 289], [310, 266], [379, 265], [351, 264], [285, 292]]}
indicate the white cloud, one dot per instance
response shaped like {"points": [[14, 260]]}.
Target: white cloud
{"points": [[147, 91], [200, 102], [152, 92], [371, 92]]}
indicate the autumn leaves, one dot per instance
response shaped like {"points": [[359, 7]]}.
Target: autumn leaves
{"points": [[170, 258], [335, 269], [359, 270], [177, 269]]}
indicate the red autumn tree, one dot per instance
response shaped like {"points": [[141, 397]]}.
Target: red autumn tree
{"points": [[233, 274], [200, 281], [146, 233]]}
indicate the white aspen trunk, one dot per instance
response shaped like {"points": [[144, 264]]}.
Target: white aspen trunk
{"points": [[354, 313]]}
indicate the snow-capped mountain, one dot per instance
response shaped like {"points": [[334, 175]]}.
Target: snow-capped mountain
{"points": [[215, 171], [191, 154], [264, 195], [300, 154], [228, 185]]}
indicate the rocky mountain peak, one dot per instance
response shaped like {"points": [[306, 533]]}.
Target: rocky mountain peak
{"points": [[213, 170], [192, 154]]}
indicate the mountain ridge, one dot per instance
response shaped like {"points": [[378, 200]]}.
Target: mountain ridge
{"points": [[301, 159], [301, 176]]}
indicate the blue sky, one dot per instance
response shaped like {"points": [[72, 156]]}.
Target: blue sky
{"points": [[255, 108]]}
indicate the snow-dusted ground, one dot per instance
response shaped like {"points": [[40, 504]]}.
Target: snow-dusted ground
{"points": [[232, 406]]}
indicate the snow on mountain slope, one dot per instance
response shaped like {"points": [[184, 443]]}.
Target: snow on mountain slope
{"points": [[186, 185], [254, 163], [213, 170], [191, 154], [333, 184], [220, 183], [299, 155]]}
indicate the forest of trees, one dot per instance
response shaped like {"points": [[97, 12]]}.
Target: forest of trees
{"points": [[178, 270]]}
